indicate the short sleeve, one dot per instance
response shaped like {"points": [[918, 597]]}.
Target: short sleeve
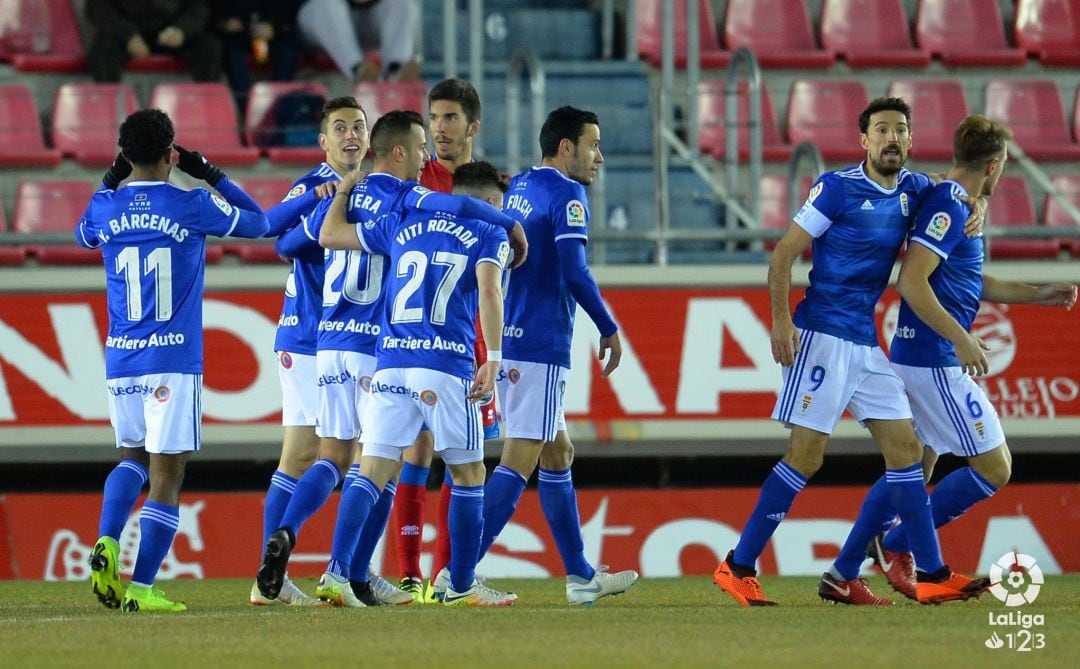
{"points": [[376, 234], [823, 205], [940, 228], [494, 247], [570, 213], [86, 233]]}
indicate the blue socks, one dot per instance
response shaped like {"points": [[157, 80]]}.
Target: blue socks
{"points": [[466, 522], [956, 493], [350, 476], [414, 474], [121, 490], [774, 501], [558, 499], [371, 533], [312, 491], [356, 503], [907, 490], [501, 496], [278, 495], [877, 510], [157, 527]]}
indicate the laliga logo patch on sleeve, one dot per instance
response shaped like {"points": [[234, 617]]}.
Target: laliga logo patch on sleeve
{"points": [[939, 225], [224, 206], [297, 191], [575, 214], [504, 253], [814, 192]]}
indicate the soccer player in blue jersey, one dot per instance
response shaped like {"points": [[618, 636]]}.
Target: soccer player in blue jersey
{"points": [[346, 344], [152, 236], [343, 135], [856, 219], [541, 301], [935, 354], [443, 267]]}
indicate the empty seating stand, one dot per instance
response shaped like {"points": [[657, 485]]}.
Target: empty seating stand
{"points": [[779, 32], [268, 193], [775, 212], [205, 119], [21, 141], [63, 50], [10, 256], [712, 113], [650, 34], [825, 113], [1050, 30], [1054, 215], [965, 33], [85, 119], [870, 33], [46, 206], [1011, 207], [377, 98], [259, 122], [1034, 112], [937, 107]]}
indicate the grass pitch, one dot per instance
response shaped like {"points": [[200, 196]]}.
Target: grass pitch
{"points": [[684, 622]]}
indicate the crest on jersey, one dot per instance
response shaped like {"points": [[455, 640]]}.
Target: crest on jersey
{"points": [[903, 204], [365, 384], [504, 253], [429, 398], [162, 394], [807, 400], [575, 213], [514, 376], [224, 206], [814, 192], [141, 197], [938, 226], [297, 191], [286, 360]]}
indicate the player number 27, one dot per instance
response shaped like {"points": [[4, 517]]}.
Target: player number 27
{"points": [[414, 265], [156, 263]]}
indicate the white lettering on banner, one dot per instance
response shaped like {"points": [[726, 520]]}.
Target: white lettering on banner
{"points": [[631, 384], [256, 331], [516, 538], [1005, 534], [594, 531], [1029, 397], [794, 541], [77, 382], [662, 550], [702, 376]]}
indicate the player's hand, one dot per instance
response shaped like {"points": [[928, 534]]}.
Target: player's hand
{"points": [[1056, 295], [610, 347], [785, 342], [137, 47], [120, 170], [484, 382], [519, 244], [970, 353], [349, 181], [172, 37], [193, 164], [326, 189], [973, 226]]}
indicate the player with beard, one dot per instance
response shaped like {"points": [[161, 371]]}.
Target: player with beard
{"points": [[856, 219]]}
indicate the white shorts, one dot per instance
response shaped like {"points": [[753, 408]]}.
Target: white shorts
{"points": [[298, 376], [952, 413], [531, 398], [403, 399], [832, 374], [342, 390], [159, 412]]}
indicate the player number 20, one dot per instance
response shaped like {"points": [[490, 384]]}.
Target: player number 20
{"points": [[414, 264], [348, 263]]}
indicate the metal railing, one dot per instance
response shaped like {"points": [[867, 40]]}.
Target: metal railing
{"points": [[476, 50], [522, 62]]}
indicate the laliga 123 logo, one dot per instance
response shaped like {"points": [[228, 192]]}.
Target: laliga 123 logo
{"points": [[1016, 579]]}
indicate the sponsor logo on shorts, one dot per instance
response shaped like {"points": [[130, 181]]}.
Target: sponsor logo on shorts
{"points": [[137, 389], [807, 400], [938, 226], [162, 394], [429, 398], [365, 384], [514, 375], [334, 379], [286, 360]]}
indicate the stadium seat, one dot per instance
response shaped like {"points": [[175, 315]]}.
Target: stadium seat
{"points": [[1050, 30], [54, 207], [21, 141], [650, 35], [712, 113], [10, 255], [825, 113], [964, 33], [268, 193], [1011, 206], [205, 119], [259, 120], [775, 214], [65, 48], [937, 107], [1033, 111], [1054, 215], [870, 33], [377, 98], [85, 118], [779, 32]]}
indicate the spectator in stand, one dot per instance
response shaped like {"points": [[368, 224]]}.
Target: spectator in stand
{"points": [[343, 28], [257, 32], [124, 29]]}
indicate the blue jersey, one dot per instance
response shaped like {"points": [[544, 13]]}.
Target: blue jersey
{"points": [[298, 325], [432, 294], [957, 281], [858, 227], [153, 240], [540, 309]]}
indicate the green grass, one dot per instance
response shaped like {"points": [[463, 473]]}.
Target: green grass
{"points": [[684, 622]]}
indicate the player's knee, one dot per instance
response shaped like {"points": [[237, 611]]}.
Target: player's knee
{"points": [[996, 473], [806, 462]]}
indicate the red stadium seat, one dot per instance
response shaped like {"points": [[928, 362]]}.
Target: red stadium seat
{"points": [[1033, 111], [21, 140], [825, 113], [85, 119], [268, 193], [1054, 215], [259, 120], [779, 33], [650, 36], [54, 207], [712, 112], [937, 107], [965, 33], [870, 33], [775, 213], [65, 48], [377, 98], [205, 119], [1011, 206], [1050, 30]]}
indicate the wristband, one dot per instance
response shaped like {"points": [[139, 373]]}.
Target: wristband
{"points": [[494, 356]]}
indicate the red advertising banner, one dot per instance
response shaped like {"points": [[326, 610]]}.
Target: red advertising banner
{"points": [[688, 354], [657, 532]]}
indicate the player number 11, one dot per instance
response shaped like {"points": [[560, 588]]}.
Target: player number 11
{"points": [[157, 263]]}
